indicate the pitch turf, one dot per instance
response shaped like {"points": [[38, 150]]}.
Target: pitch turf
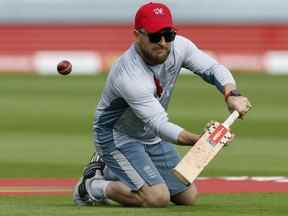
{"points": [[208, 205], [45, 131]]}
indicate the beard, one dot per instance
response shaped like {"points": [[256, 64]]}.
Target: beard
{"points": [[155, 56]]}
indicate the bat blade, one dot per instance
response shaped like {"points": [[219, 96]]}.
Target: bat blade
{"points": [[205, 149]]}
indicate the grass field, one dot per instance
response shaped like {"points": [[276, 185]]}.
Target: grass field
{"points": [[208, 205], [45, 131]]}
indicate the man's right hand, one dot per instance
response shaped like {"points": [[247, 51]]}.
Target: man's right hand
{"points": [[187, 138]]}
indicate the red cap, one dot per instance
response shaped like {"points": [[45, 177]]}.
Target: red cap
{"points": [[153, 17]]}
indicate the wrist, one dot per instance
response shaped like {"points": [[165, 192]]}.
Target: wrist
{"points": [[235, 93], [187, 138]]}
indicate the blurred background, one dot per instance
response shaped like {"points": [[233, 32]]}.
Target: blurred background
{"points": [[46, 121], [244, 35]]}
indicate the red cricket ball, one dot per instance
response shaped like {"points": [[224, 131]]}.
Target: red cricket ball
{"points": [[64, 67]]}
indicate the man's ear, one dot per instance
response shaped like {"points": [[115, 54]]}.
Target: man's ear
{"points": [[136, 35]]}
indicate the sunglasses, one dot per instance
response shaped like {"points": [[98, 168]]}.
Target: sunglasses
{"points": [[168, 34]]}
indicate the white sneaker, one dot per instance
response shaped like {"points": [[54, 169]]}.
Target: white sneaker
{"points": [[93, 171], [83, 197], [83, 200]]}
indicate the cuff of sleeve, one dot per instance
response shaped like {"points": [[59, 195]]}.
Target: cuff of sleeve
{"points": [[170, 132]]}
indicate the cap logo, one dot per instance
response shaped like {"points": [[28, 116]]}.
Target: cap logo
{"points": [[158, 11]]}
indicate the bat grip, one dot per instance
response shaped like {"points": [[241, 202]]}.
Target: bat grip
{"points": [[231, 119]]}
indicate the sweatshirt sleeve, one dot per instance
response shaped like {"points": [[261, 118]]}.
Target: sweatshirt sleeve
{"points": [[205, 66], [139, 95]]}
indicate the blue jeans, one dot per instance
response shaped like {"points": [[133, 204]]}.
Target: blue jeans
{"points": [[136, 164]]}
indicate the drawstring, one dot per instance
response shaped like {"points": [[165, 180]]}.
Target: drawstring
{"points": [[159, 88]]}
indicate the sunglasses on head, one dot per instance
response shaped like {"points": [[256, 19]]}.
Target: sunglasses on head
{"points": [[168, 34]]}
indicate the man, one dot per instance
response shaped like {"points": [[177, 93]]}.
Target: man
{"points": [[133, 134]]}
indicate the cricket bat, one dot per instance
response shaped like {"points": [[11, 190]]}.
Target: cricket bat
{"points": [[204, 150]]}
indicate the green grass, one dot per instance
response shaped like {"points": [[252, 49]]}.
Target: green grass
{"points": [[266, 204], [46, 121], [45, 131]]}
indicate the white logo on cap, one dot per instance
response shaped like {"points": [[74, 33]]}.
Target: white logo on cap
{"points": [[158, 11]]}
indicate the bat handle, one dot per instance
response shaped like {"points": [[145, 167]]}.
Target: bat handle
{"points": [[231, 119]]}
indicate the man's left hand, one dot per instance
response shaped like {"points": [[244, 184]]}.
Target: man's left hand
{"points": [[239, 103]]}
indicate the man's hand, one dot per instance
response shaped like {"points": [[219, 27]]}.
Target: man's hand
{"points": [[187, 138], [235, 101], [239, 103]]}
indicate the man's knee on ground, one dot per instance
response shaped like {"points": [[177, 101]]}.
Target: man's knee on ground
{"points": [[156, 200], [155, 196], [188, 197]]}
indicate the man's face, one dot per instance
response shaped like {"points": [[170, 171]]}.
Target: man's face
{"points": [[157, 51]]}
